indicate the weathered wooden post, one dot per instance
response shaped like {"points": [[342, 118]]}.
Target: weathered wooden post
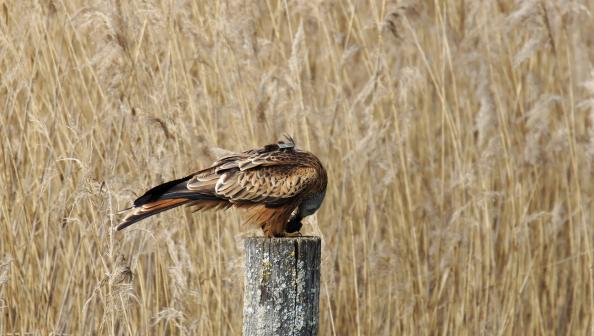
{"points": [[282, 286]]}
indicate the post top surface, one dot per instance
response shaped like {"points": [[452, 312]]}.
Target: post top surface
{"points": [[285, 239]]}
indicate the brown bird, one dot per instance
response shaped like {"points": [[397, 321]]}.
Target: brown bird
{"points": [[277, 184]]}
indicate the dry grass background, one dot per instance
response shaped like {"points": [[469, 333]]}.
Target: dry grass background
{"points": [[458, 136]]}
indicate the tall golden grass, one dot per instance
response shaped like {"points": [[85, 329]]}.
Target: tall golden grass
{"points": [[458, 136]]}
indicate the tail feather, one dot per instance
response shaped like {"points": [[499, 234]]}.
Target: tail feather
{"points": [[150, 209], [210, 205], [167, 196], [161, 190]]}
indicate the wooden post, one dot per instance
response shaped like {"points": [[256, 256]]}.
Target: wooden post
{"points": [[282, 286]]}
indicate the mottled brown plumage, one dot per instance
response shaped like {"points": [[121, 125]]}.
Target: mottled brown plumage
{"points": [[277, 184]]}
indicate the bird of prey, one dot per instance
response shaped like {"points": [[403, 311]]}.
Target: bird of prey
{"points": [[277, 184]]}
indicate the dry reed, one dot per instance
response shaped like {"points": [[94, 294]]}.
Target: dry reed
{"points": [[458, 136]]}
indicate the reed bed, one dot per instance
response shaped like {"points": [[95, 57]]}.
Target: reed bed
{"points": [[458, 137]]}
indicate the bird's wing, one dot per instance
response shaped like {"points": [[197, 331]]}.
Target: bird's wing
{"points": [[270, 185], [269, 178], [281, 154]]}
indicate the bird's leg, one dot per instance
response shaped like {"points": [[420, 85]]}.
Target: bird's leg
{"points": [[293, 226]]}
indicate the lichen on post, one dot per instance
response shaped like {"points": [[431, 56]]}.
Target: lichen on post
{"points": [[282, 286]]}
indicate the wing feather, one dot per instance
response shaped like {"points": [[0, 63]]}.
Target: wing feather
{"points": [[272, 175], [266, 184]]}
